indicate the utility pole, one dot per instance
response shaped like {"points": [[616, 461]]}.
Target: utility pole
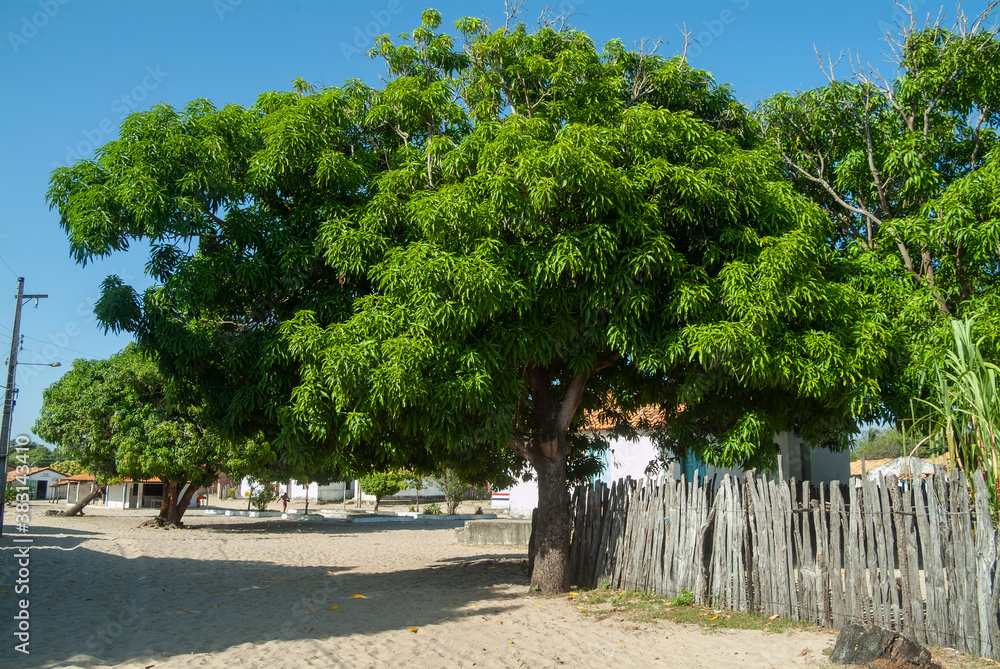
{"points": [[8, 397]]}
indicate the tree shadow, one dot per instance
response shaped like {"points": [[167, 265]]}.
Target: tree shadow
{"points": [[99, 608]]}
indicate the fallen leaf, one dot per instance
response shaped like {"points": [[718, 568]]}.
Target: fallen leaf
{"points": [[334, 608], [71, 581], [413, 629], [538, 605], [4, 592], [359, 597], [210, 592], [185, 611], [309, 630], [329, 572], [272, 579], [308, 611], [494, 568], [714, 618], [775, 616], [803, 652]]}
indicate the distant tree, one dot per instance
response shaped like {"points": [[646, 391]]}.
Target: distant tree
{"points": [[119, 420], [880, 443], [382, 484], [454, 490], [37, 455]]}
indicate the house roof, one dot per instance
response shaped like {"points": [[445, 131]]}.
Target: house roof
{"points": [[87, 478], [12, 474]]}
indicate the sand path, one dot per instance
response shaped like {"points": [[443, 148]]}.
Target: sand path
{"points": [[240, 592]]}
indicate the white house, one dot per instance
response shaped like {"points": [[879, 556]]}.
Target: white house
{"points": [[626, 458], [125, 495], [39, 480]]}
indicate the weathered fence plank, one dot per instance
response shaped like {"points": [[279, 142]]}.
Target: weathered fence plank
{"points": [[922, 560]]}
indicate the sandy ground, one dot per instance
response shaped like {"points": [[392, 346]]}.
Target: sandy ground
{"points": [[244, 592]]}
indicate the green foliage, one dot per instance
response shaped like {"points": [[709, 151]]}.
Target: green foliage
{"points": [[454, 490], [433, 510], [907, 172], [38, 455], [262, 494], [965, 411], [117, 418], [685, 598], [68, 467], [451, 270], [879, 443], [9, 495], [382, 483]]}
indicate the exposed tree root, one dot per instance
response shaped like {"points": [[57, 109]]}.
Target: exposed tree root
{"points": [[163, 524]]}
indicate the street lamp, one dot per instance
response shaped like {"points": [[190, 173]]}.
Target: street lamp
{"points": [[42, 364]]}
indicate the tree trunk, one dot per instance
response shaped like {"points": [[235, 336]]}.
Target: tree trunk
{"points": [[550, 574], [78, 507], [378, 498], [172, 507]]}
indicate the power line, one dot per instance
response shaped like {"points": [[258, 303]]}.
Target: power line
{"points": [[10, 268], [31, 350], [42, 341]]}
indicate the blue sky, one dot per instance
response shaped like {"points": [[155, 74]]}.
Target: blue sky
{"points": [[71, 69]]}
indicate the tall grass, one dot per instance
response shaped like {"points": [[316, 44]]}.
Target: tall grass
{"points": [[964, 411]]}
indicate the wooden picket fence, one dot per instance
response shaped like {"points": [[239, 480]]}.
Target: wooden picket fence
{"points": [[920, 559]]}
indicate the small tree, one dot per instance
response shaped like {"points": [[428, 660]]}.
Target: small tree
{"points": [[261, 494], [454, 490], [382, 484], [416, 483]]}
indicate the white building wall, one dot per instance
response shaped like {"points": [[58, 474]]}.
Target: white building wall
{"points": [[116, 495], [630, 459]]}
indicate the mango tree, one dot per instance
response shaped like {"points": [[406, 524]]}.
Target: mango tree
{"points": [[120, 422], [586, 231]]}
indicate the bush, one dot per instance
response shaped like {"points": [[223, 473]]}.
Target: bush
{"points": [[260, 495], [453, 488], [9, 495], [382, 484], [432, 510]]}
